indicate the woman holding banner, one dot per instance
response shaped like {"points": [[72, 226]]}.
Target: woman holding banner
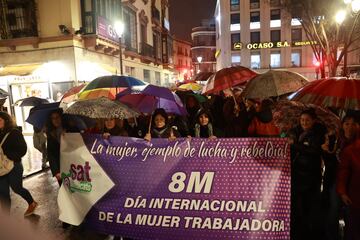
{"points": [[160, 127], [204, 127], [306, 141]]}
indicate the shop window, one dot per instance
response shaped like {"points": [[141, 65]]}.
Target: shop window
{"points": [[254, 4], [275, 18], [108, 9], [255, 60], [130, 33], [275, 35], [235, 22], [235, 40], [274, 3], [255, 20], [296, 58], [130, 71], [255, 37], [234, 5], [235, 59], [296, 35], [275, 59], [18, 19], [158, 78], [147, 75]]}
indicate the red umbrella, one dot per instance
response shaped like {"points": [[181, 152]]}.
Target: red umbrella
{"points": [[331, 92], [71, 94], [227, 78]]}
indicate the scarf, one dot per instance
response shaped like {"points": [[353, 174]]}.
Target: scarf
{"points": [[198, 130]]}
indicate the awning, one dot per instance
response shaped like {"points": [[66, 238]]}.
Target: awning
{"points": [[19, 70]]}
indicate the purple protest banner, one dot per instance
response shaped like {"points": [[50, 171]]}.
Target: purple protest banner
{"points": [[183, 189], [106, 29]]}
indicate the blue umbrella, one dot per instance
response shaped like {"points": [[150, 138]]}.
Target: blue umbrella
{"points": [[113, 81], [30, 101], [40, 114]]}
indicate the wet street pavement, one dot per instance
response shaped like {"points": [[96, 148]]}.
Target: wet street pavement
{"points": [[44, 189]]}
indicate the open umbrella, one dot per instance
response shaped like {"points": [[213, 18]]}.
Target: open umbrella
{"points": [[3, 93], [101, 108], [39, 114], [30, 101], [273, 83], [202, 76], [72, 93], [109, 93], [153, 97], [184, 95], [331, 92], [191, 86], [286, 115], [113, 81], [227, 78]]}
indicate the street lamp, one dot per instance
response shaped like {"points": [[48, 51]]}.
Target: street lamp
{"points": [[355, 6], [119, 28], [199, 59], [340, 16], [317, 69]]}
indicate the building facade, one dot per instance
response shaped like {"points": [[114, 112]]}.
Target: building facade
{"points": [[47, 46], [259, 34], [182, 60], [204, 47]]}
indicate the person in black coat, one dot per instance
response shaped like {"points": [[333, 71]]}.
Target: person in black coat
{"points": [[204, 127], [112, 127], [160, 127], [14, 147], [306, 140], [54, 130]]}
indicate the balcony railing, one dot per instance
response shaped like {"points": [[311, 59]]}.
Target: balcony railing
{"points": [[17, 20], [147, 50]]}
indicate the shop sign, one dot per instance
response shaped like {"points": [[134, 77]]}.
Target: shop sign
{"points": [[106, 29], [237, 46], [278, 44], [303, 43], [26, 79], [267, 45]]}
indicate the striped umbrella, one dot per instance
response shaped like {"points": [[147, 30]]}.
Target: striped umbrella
{"points": [[113, 81], [109, 93], [227, 78], [334, 92]]}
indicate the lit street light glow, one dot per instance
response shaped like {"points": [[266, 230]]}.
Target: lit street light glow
{"points": [[119, 28], [340, 16], [199, 59], [355, 5]]}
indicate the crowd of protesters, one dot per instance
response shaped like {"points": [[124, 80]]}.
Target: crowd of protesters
{"points": [[325, 176]]}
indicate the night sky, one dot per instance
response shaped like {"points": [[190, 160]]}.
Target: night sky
{"points": [[186, 14]]}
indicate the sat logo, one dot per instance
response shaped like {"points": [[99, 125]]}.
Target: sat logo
{"points": [[78, 179]]}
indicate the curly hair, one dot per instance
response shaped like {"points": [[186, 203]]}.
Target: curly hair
{"points": [[9, 124]]}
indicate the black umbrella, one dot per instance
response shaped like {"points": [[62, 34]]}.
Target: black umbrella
{"points": [[30, 101], [3, 93]]}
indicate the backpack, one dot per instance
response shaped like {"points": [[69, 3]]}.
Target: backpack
{"points": [[6, 165]]}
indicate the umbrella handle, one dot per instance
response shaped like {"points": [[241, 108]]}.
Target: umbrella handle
{"points": [[235, 102], [154, 105], [149, 129]]}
